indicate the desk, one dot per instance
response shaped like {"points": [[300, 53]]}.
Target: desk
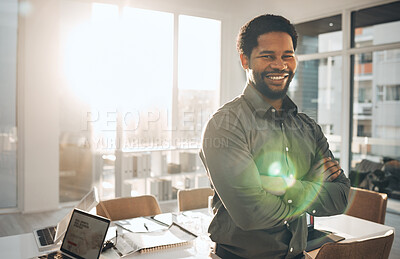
{"points": [[24, 246], [351, 228]]}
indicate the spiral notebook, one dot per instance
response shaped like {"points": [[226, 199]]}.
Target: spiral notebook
{"points": [[128, 242]]}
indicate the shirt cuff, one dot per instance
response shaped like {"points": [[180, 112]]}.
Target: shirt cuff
{"points": [[294, 195]]}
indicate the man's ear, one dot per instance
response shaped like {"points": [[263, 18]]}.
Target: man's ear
{"points": [[245, 61]]}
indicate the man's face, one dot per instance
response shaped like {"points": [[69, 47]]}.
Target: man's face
{"points": [[271, 65]]}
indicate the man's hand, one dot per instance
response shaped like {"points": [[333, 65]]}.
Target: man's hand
{"points": [[326, 168], [275, 185]]}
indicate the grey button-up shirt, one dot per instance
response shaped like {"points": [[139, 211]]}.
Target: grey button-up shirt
{"points": [[245, 139]]}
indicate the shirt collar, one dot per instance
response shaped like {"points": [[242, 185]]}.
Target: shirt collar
{"points": [[261, 107]]}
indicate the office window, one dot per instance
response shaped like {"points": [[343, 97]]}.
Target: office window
{"points": [[372, 85], [119, 91], [376, 123], [8, 103], [371, 25], [320, 35], [317, 89], [198, 75]]}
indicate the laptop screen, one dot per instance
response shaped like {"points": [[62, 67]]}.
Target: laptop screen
{"points": [[85, 235], [88, 202]]}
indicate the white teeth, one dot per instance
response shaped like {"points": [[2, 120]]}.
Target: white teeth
{"points": [[276, 77]]}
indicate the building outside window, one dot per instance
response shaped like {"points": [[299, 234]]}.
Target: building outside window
{"points": [[317, 86], [322, 82], [374, 84]]}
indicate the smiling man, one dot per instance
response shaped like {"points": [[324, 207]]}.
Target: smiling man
{"points": [[268, 163]]}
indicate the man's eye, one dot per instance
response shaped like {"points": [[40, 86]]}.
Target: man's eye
{"points": [[288, 57], [267, 56]]}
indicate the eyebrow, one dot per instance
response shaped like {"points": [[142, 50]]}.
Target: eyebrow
{"points": [[273, 52]]}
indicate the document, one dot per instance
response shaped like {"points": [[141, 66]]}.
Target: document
{"points": [[141, 225], [128, 242]]}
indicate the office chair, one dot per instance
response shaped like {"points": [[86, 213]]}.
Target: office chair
{"points": [[128, 207], [194, 198], [366, 204], [373, 248]]}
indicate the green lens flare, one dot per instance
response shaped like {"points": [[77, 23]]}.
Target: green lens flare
{"points": [[291, 168], [275, 169]]}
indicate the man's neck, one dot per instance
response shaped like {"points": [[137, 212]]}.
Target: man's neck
{"points": [[277, 104]]}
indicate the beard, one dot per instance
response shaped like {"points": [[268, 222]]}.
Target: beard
{"points": [[264, 88]]}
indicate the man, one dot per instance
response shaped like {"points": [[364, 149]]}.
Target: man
{"points": [[268, 163]]}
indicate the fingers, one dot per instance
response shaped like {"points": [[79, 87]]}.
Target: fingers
{"points": [[332, 170], [322, 162], [328, 168], [334, 175], [331, 164]]}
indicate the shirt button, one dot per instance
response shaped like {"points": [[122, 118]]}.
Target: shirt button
{"points": [[314, 211], [290, 201], [291, 249]]}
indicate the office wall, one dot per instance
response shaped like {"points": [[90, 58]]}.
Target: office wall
{"points": [[38, 117], [38, 122]]}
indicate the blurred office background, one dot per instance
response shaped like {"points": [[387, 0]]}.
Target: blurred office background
{"points": [[86, 86]]}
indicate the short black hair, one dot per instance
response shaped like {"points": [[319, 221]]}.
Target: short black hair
{"points": [[249, 33]]}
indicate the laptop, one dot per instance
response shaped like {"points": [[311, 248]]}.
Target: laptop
{"points": [[47, 238], [316, 238], [84, 237]]}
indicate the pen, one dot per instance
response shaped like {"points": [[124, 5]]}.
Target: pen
{"points": [[145, 226]]}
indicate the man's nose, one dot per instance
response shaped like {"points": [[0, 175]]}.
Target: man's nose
{"points": [[279, 64]]}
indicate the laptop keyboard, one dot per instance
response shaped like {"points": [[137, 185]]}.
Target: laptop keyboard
{"points": [[46, 235], [55, 255]]}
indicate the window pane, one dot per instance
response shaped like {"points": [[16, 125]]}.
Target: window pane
{"points": [[316, 89], [8, 115], [321, 35], [376, 123], [117, 92], [199, 75], [147, 74], [376, 25]]}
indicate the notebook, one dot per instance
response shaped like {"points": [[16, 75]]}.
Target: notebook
{"points": [[84, 237], [47, 238], [316, 238], [143, 235]]}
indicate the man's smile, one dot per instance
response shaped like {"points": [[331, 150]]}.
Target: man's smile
{"points": [[277, 76]]}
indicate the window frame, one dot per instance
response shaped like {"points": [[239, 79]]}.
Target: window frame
{"points": [[348, 52]]}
